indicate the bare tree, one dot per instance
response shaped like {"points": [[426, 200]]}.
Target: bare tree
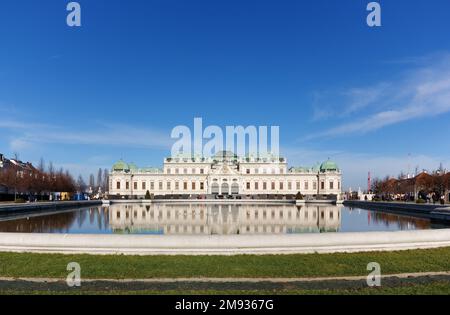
{"points": [[92, 181], [99, 179], [50, 177], [41, 166], [105, 180], [81, 185], [51, 169]]}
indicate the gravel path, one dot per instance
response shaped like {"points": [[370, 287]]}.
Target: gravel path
{"points": [[221, 284]]}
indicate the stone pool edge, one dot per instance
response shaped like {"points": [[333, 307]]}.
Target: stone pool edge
{"points": [[147, 245], [11, 208]]}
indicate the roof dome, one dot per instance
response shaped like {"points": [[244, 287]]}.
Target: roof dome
{"points": [[120, 166], [225, 155], [132, 167], [316, 167], [329, 166]]}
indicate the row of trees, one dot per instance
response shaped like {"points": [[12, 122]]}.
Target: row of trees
{"points": [[436, 183], [101, 184], [28, 180]]}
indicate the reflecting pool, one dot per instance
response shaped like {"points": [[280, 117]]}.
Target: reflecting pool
{"points": [[211, 219]]}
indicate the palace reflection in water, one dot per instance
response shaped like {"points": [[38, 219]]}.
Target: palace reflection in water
{"points": [[211, 219], [224, 219]]}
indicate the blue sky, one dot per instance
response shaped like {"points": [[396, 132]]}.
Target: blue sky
{"points": [[373, 99]]}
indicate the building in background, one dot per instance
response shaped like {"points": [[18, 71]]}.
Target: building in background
{"points": [[15, 175], [224, 174]]}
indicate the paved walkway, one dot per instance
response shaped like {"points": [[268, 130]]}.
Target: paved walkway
{"points": [[223, 280], [221, 284]]}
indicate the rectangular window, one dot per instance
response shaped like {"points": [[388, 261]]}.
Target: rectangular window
{"points": [[339, 185], [306, 185], [290, 185], [169, 186], [144, 186], [281, 185], [264, 186], [202, 171], [322, 185], [127, 186], [169, 171], [152, 185], [118, 185], [256, 186], [298, 186], [248, 171], [193, 171], [177, 185], [314, 185], [160, 185], [331, 185], [193, 185], [202, 185], [248, 186], [135, 185], [185, 185], [185, 171], [273, 185], [177, 171]]}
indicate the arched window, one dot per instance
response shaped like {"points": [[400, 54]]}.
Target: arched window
{"points": [[235, 188], [215, 188], [225, 189]]}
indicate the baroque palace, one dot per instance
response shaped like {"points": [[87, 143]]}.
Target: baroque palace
{"points": [[224, 174]]}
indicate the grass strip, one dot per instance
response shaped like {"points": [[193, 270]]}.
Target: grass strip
{"points": [[247, 266]]}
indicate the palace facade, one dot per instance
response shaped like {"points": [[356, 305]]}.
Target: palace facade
{"points": [[224, 174]]}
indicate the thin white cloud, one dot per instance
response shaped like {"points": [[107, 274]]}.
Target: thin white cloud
{"points": [[19, 145], [103, 135], [421, 93]]}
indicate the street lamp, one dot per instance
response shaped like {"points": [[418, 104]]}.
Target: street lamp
{"points": [[132, 185]]}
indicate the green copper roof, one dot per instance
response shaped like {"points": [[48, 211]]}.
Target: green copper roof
{"points": [[316, 167], [120, 166], [329, 166], [132, 167]]}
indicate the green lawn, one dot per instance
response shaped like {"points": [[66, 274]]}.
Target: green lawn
{"points": [[311, 265]]}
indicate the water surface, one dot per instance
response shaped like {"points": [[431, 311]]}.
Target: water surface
{"points": [[211, 219]]}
